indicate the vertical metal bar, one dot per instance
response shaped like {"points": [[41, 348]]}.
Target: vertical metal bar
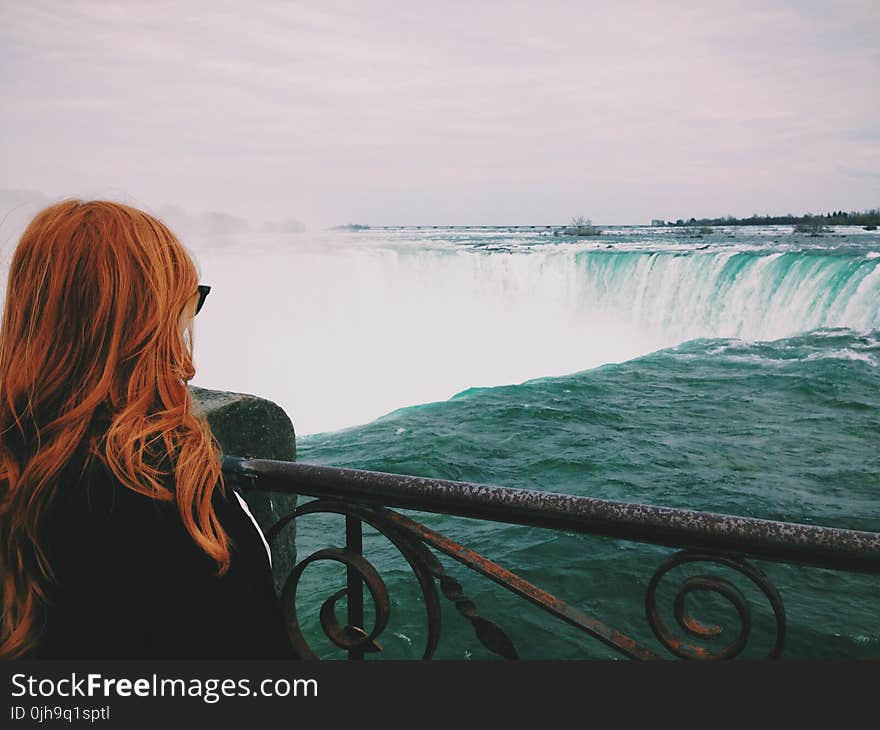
{"points": [[354, 543]]}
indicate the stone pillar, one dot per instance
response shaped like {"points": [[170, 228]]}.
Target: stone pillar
{"points": [[253, 427]]}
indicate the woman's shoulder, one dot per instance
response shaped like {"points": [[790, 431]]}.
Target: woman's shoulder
{"points": [[97, 526], [94, 495], [95, 511], [93, 503]]}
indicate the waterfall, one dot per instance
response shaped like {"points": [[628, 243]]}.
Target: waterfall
{"points": [[339, 333]]}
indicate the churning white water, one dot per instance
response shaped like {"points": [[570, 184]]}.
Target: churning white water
{"points": [[341, 329]]}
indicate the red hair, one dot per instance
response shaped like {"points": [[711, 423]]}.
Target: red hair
{"points": [[93, 363]]}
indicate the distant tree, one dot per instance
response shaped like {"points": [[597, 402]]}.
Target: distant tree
{"points": [[581, 226], [812, 226]]}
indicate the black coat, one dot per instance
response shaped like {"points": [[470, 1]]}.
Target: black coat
{"points": [[132, 583]]}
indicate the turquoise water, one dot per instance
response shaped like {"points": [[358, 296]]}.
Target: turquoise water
{"points": [[763, 401]]}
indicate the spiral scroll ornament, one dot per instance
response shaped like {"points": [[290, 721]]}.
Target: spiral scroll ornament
{"points": [[424, 565], [721, 587]]}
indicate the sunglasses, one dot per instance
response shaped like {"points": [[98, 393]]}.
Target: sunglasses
{"points": [[203, 294]]}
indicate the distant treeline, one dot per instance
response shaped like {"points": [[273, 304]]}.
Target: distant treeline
{"points": [[832, 218]]}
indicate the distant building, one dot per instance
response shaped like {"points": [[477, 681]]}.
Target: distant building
{"points": [[658, 222]]}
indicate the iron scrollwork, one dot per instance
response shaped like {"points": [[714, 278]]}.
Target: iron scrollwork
{"points": [[429, 572], [719, 586], [424, 564]]}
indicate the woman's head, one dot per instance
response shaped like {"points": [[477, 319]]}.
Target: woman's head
{"points": [[95, 353], [96, 290]]}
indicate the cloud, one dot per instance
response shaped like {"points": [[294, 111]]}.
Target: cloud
{"points": [[341, 111]]}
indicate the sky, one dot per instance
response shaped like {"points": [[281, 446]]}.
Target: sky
{"points": [[432, 113]]}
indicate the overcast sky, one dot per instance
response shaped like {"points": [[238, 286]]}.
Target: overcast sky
{"points": [[439, 111]]}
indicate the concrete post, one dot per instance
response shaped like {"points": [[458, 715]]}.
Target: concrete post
{"points": [[249, 426]]}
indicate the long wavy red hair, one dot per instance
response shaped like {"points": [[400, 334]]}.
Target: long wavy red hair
{"points": [[94, 364]]}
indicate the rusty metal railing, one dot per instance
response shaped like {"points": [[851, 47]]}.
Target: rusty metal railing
{"points": [[702, 537]]}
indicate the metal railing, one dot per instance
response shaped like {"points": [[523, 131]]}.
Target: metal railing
{"points": [[702, 537]]}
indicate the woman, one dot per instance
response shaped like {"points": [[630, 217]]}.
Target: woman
{"points": [[118, 536]]}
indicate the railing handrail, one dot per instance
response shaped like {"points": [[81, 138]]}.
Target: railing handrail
{"points": [[827, 547]]}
